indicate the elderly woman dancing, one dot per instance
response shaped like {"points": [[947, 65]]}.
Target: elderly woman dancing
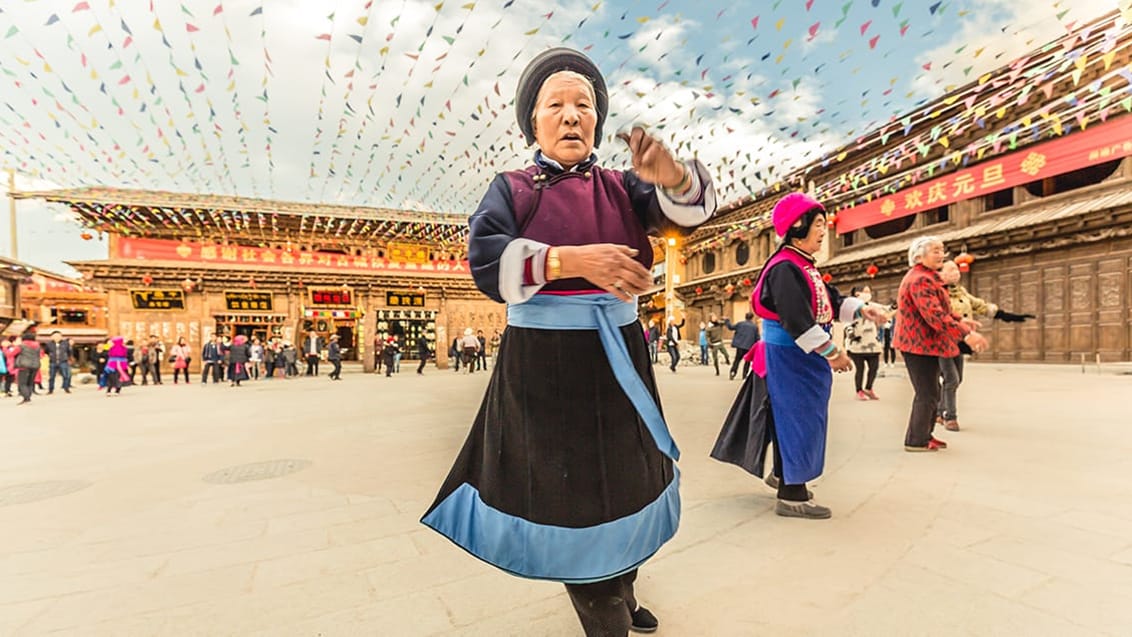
{"points": [[569, 471], [926, 331], [786, 400]]}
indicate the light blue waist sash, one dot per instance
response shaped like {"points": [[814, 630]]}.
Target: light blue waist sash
{"points": [[604, 313]]}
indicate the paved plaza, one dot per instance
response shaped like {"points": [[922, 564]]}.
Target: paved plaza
{"points": [[291, 508]]}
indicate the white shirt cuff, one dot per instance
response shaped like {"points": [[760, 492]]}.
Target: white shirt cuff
{"points": [[511, 270], [812, 339], [849, 307]]}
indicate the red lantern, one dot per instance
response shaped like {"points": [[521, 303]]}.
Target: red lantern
{"points": [[872, 270], [86, 236], [147, 280], [187, 284], [964, 261], [729, 288], [699, 290], [832, 220], [827, 277], [747, 282]]}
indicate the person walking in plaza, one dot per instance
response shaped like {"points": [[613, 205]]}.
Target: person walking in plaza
{"points": [[481, 353], [702, 340], [117, 369], [469, 347], [886, 333], [653, 341], [10, 349], [496, 339], [792, 364], [745, 337], [156, 354], [27, 365], [334, 355], [563, 477], [59, 354], [862, 340], [291, 359], [715, 342], [312, 351], [423, 353], [966, 306], [239, 353], [456, 352], [389, 353], [211, 357], [255, 350], [672, 342], [180, 356], [927, 330], [269, 352]]}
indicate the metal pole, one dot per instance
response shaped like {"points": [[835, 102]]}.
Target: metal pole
{"points": [[669, 289], [15, 251]]}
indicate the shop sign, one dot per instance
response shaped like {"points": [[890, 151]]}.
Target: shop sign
{"points": [[1097, 144], [407, 252], [236, 301], [325, 297], [404, 299], [158, 299]]}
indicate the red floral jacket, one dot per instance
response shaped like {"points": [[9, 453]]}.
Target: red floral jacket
{"points": [[925, 324]]}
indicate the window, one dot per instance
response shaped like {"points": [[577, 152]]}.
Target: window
{"points": [[890, 227], [742, 253], [999, 200], [708, 264], [1072, 180], [938, 215], [848, 238]]}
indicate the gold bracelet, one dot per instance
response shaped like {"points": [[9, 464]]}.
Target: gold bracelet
{"points": [[553, 265]]}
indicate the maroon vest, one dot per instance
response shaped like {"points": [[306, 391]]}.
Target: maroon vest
{"points": [[577, 208]]}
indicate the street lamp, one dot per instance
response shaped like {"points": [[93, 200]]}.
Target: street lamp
{"points": [[669, 277]]}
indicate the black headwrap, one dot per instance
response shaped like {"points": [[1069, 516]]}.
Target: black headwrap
{"points": [[543, 66]]}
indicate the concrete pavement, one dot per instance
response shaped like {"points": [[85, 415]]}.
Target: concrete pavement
{"points": [[291, 508]]}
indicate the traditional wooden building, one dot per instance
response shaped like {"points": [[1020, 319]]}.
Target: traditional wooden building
{"points": [[193, 266], [12, 276], [1026, 169]]}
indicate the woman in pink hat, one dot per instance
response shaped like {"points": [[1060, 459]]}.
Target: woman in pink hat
{"points": [[792, 363]]}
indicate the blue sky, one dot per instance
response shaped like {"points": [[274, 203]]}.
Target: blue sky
{"points": [[405, 104]]}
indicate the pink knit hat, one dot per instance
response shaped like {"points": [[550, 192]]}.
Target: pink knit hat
{"points": [[790, 209]]}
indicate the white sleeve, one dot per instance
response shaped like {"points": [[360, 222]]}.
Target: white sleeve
{"points": [[812, 339], [680, 209], [511, 266], [849, 307]]}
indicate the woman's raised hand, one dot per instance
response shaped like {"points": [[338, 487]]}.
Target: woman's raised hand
{"points": [[651, 160]]}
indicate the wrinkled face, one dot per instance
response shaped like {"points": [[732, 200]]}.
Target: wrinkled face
{"points": [[949, 273], [565, 118], [814, 238], [934, 255]]}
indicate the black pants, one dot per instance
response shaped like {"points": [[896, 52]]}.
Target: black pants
{"points": [[157, 372], [923, 371], [789, 492], [8, 380], [420, 368], [603, 607], [859, 362], [481, 360], [25, 381], [113, 382], [337, 373], [312, 365], [268, 368], [673, 357], [716, 350], [889, 352], [215, 367], [177, 371], [739, 354]]}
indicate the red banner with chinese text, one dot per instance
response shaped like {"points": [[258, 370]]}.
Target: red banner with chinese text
{"points": [[1096, 144], [204, 254]]}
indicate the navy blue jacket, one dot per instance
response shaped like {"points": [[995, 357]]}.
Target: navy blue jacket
{"points": [[746, 334]]}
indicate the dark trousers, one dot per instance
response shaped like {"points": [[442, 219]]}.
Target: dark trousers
{"points": [[739, 354], [481, 360], [8, 380], [63, 368], [673, 357], [113, 382], [157, 371], [268, 368], [790, 492], [312, 365], [25, 382], [716, 350], [604, 607], [420, 368], [951, 369], [337, 373], [145, 368], [215, 367], [859, 362], [923, 371], [177, 371], [457, 356], [889, 352]]}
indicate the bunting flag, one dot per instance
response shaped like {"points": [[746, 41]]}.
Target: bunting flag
{"points": [[409, 105]]}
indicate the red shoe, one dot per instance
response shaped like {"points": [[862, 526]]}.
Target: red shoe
{"points": [[871, 394], [861, 396], [938, 443]]}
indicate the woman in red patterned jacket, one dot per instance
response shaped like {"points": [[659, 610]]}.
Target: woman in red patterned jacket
{"points": [[926, 330]]}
